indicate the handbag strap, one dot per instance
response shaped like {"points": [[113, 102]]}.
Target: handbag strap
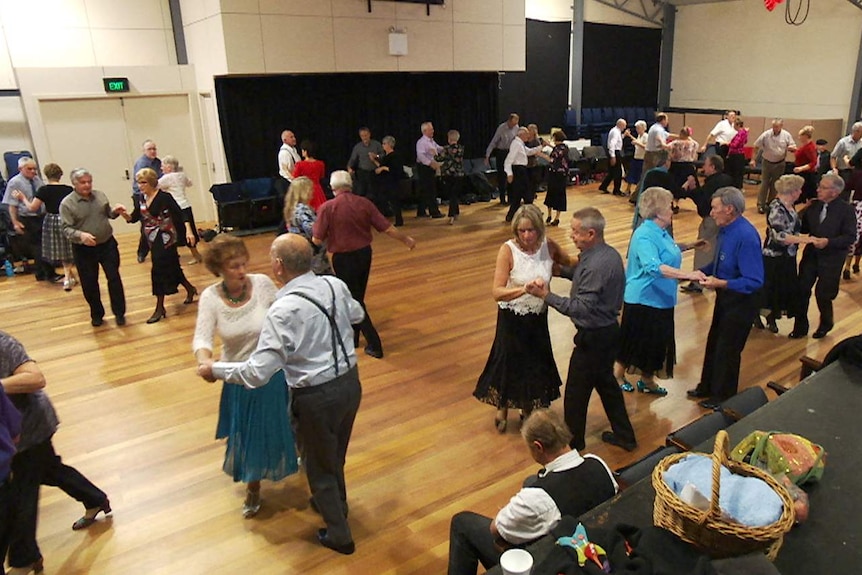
{"points": [[335, 333]]}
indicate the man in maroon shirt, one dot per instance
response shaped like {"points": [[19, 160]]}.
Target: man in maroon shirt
{"points": [[345, 223]]}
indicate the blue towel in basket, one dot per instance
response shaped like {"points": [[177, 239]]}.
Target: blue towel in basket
{"points": [[748, 500]]}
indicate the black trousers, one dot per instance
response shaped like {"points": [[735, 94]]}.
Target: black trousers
{"points": [[825, 272], [88, 259], [615, 174], [470, 543], [731, 323], [592, 367], [323, 417], [427, 180], [353, 268], [6, 517], [40, 465], [143, 244], [363, 183], [390, 195], [519, 190], [29, 246], [454, 186], [722, 150], [735, 168], [502, 183]]}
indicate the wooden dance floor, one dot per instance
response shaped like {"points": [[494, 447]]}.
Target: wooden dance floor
{"points": [[139, 422]]}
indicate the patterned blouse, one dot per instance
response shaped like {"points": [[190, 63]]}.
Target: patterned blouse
{"points": [[781, 222], [560, 159], [451, 160], [683, 150]]}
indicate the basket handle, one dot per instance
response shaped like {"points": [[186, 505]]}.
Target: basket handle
{"points": [[719, 457]]}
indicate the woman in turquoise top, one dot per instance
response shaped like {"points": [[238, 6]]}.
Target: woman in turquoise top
{"points": [[652, 273]]}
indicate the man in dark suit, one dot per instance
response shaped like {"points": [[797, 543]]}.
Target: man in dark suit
{"points": [[831, 222], [713, 168]]}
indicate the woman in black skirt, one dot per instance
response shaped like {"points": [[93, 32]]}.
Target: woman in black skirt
{"points": [[780, 293], [521, 372], [558, 175], [647, 341], [165, 230]]}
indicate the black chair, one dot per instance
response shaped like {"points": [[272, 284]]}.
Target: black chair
{"points": [[743, 403], [697, 431], [577, 167], [634, 472], [598, 159]]}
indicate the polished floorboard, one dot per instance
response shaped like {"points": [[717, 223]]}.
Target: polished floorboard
{"points": [[139, 423]]}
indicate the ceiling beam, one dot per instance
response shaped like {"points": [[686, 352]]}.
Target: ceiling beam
{"points": [[648, 10]]}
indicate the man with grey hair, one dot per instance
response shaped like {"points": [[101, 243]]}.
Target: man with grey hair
{"points": [[831, 223], [845, 149], [361, 163], [426, 171], [721, 134], [517, 174], [498, 147], [148, 159], [344, 223], [287, 159], [307, 335], [736, 275], [27, 222], [598, 282], [615, 159], [85, 216], [774, 145]]}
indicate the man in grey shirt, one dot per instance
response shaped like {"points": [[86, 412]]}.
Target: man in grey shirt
{"points": [[361, 163], [845, 149], [307, 333], [499, 148], [85, 216], [774, 143], [598, 283]]}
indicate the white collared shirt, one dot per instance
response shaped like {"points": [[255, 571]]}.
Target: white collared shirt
{"points": [[723, 132], [287, 158], [615, 141], [518, 152]]}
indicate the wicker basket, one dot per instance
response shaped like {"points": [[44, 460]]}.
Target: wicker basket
{"points": [[707, 530]]}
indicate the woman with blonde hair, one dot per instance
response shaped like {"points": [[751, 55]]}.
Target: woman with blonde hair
{"points": [[780, 293], [299, 218]]}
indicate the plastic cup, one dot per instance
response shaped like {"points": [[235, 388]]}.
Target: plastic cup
{"points": [[516, 562]]}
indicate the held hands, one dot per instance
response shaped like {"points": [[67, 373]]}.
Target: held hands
{"points": [[819, 243], [697, 276], [205, 370], [712, 282], [17, 195], [537, 287]]}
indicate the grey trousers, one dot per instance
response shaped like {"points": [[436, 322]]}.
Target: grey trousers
{"points": [[323, 417], [707, 230], [769, 174]]}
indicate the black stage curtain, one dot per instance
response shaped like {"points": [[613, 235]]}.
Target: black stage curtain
{"points": [[540, 94], [330, 108], [621, 65]]}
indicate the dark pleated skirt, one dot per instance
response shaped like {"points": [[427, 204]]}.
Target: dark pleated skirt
{"points": [[648, 344], [520, 372], [780, 294], [633, 176], [167, 273], [556, 196]]}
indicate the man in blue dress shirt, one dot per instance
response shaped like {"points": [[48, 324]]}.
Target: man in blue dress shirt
{"points": [[736, 275]]}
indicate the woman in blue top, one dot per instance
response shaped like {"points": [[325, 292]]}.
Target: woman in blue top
{"points": [[654, 259]]}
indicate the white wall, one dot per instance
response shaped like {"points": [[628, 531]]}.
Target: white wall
{"points": [[561, 11], [739, 55]]}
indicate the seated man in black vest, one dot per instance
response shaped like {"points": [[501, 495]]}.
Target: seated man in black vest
{"points": [[568, 484]]}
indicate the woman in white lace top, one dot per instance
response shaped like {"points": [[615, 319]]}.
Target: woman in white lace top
{"points": [[521, 372], [255, 422]]}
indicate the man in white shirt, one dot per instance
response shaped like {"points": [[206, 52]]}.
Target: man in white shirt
{"points": [[615, 159], [721, 134], [568, 484], [517, 175], [308, 334], [775, 144], [287, 158]]}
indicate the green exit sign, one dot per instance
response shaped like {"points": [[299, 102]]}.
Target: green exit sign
{"points": [[116, 84]]}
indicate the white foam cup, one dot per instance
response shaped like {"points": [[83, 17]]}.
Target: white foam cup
{"points": [[516, 562]]}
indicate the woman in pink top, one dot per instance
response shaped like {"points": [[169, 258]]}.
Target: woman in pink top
{"points": [[735, 165], [314, 170]]}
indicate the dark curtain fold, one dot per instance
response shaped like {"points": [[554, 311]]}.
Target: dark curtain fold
{"points": [[330, 108], [540, 94]]}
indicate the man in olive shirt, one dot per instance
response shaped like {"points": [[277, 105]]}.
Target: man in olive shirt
{"points": [[85, 217], [598, 282]]}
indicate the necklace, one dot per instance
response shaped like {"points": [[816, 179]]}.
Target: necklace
{"points": [[232, 299]]}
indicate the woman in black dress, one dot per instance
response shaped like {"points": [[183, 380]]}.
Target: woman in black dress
{"points": [[558, 174], [165, 230], [390, 172], [56, 247]]}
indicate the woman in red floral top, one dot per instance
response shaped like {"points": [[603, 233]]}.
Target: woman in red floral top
{"points": [[805, 163]]}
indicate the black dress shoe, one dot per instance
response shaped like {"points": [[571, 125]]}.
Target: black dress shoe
{"points": [[121, 320], [697, 393], [604, 190], [437, 216], [344, 548], [618, 193], [822, 331], [96, 322], [373, 352], [141, 258], [797, 334], [710, 403], [610, 437]]}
